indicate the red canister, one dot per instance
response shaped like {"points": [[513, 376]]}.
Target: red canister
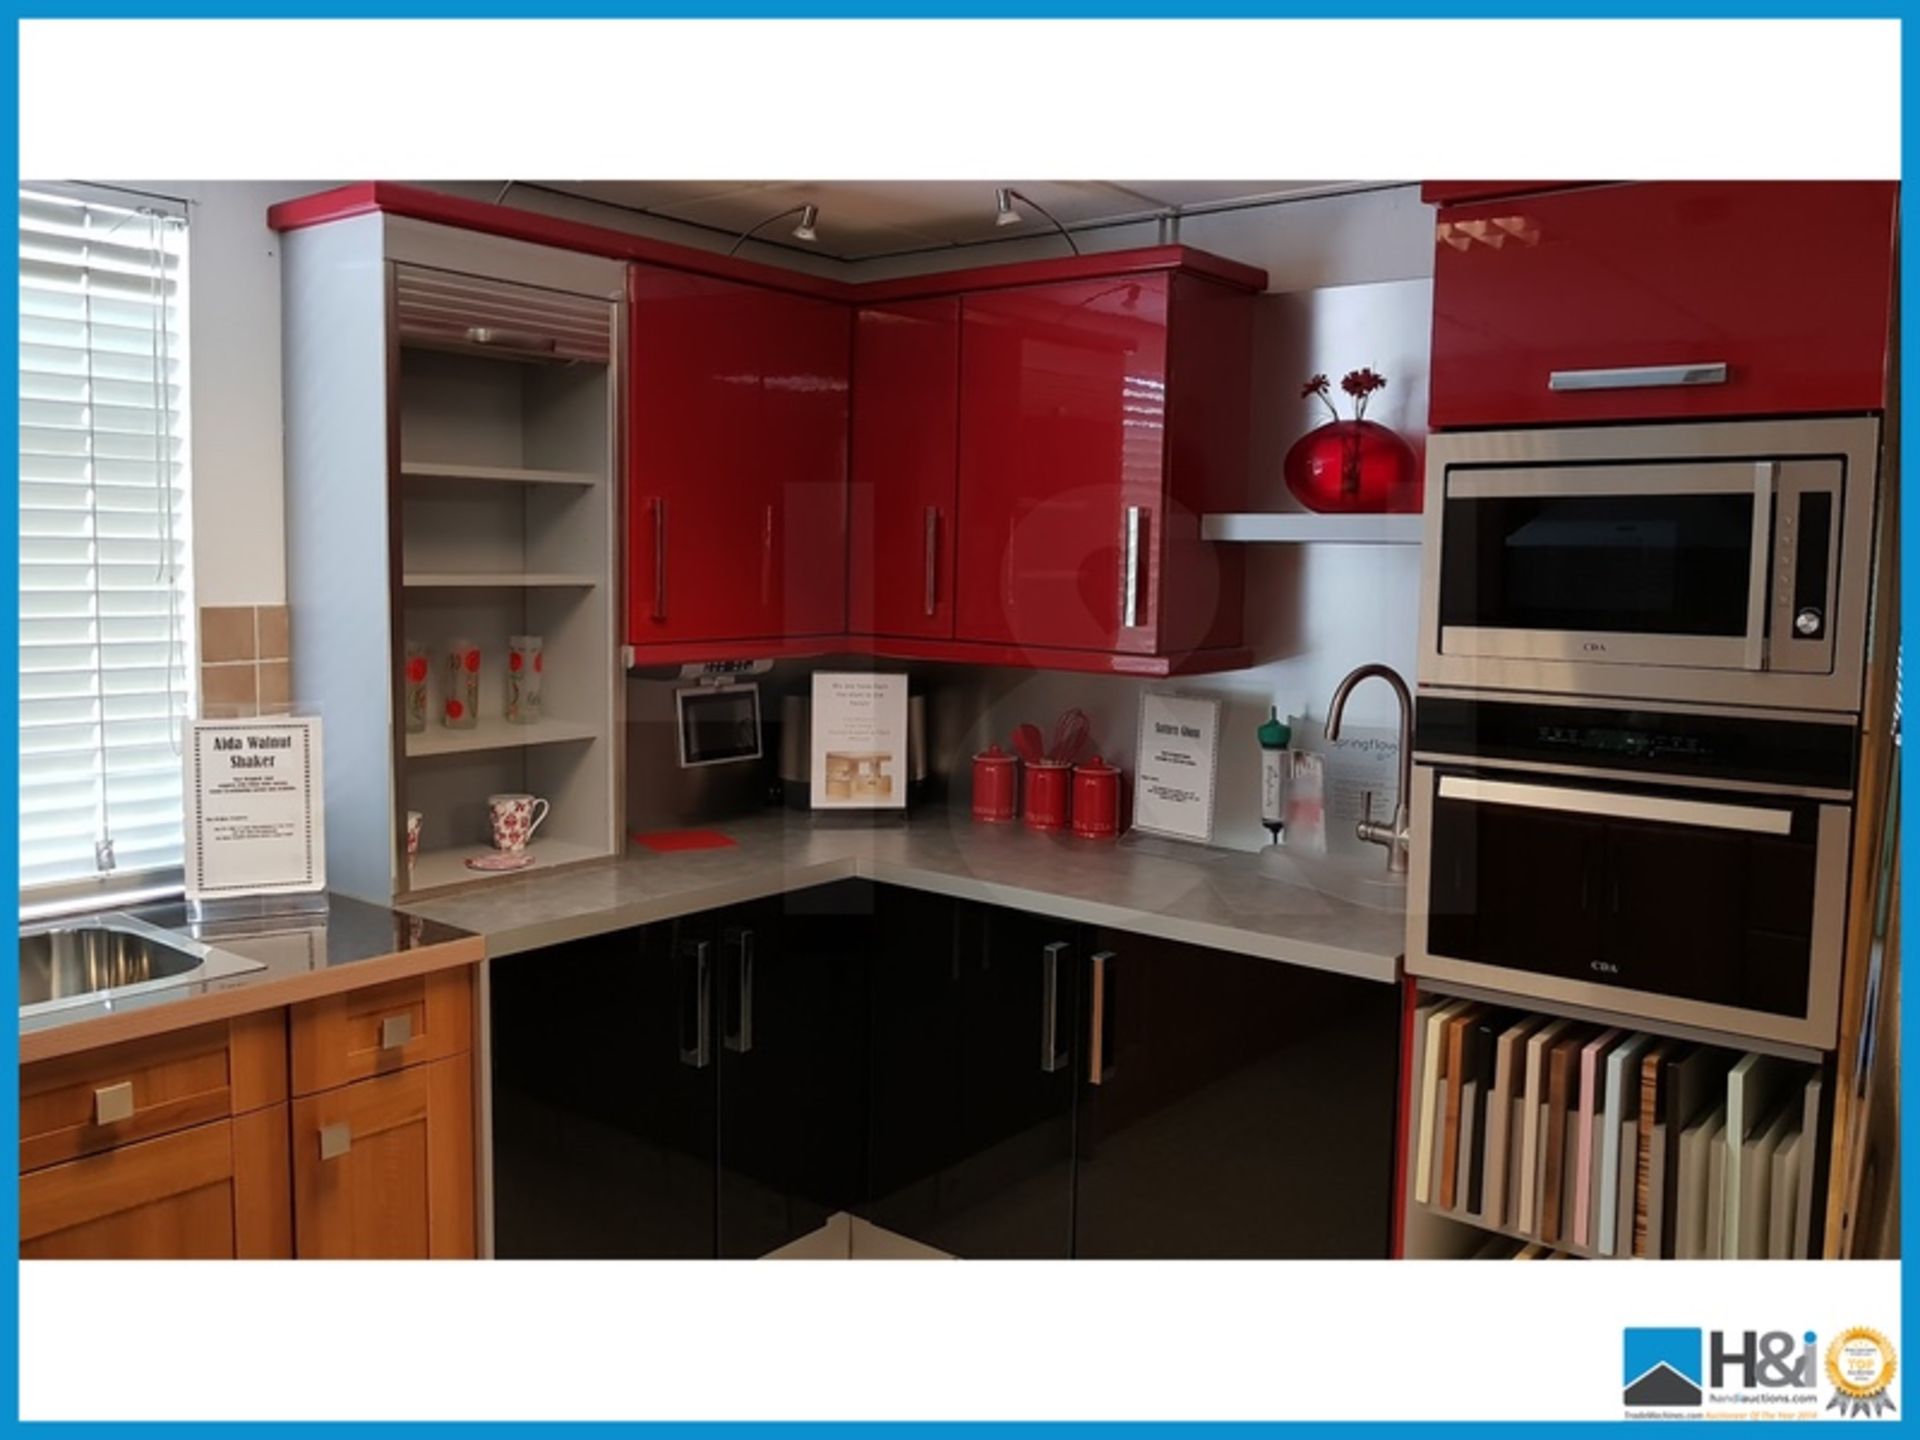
{"points": [[1048, 783], [996, 779], [1096, 800]]}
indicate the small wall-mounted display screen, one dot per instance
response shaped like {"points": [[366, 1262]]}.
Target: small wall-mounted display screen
{"points": [[718, 723]]}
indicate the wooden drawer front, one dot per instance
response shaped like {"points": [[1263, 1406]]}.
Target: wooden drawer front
{"points": [[215, 1192], [383, 1169], [171, 1082], [341, 1038]]}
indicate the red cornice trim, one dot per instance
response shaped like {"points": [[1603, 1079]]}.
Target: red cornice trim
{"points": [[416, 203], [956, 652], [431, 205]]}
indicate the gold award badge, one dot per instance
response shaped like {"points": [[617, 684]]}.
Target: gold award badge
{"points": [[1860, 1363]]}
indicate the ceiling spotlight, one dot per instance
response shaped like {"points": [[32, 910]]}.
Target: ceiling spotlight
{"points": [[1003, 198], [803, 231]]}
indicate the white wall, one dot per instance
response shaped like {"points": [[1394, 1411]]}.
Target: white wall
{"points": [[233, 336]]}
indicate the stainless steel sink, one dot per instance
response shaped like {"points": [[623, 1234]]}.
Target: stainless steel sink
{"points": [[108, 956]]}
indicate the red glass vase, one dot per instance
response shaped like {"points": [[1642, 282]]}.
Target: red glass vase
{"points": [[1354, 466]]}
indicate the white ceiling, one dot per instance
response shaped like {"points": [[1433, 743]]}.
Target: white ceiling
{"points": [[860, 219]]}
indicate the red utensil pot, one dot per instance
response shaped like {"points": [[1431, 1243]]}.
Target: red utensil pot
{"points": [[1048, 785], [996, 781], [1096, 800]]}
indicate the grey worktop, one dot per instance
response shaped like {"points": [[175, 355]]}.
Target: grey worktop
{"points": [[1226, 900]]}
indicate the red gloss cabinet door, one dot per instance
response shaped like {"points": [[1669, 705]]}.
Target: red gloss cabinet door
{"points": [[1787, 285], [1062, 434], [737, 460], [906, 397]]}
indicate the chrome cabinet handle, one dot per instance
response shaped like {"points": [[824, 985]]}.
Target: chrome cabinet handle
{"points": [[1640, 377], [1759, 565], [695, 1010], [1101, 1016], [335, 1140], [113, 1103], [659, 506], [511, 340], [1052, 1057], [1705, 813], [395, 1031], [1130, 583], [933, 558], [739, 1033]]}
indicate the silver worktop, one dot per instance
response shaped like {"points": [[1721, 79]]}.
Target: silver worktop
{"points": [[1226, 900]]}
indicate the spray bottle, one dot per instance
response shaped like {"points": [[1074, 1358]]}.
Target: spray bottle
{"points": [[1275, 736]]}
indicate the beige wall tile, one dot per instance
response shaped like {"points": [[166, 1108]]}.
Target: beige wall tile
{"points": [[271, 630], [228, 691], [226, 633], [276, 686]]}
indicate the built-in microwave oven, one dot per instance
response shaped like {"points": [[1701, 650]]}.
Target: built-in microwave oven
{"points": [[1725, 563], [1683, 865]]}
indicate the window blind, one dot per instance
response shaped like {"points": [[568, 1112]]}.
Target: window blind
{"points": [[105, 633]]}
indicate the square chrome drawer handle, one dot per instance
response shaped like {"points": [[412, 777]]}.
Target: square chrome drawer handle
{"points": [[335, 1140], [113, 1103], [395, 1031]]}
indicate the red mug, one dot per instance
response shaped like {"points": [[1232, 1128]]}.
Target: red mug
{"points": [[1048, 783], [1096, 800], [996, 780]]}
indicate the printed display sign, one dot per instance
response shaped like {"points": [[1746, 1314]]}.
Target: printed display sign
{"points": [[859, 759], [1178, 747], [255, 817]]}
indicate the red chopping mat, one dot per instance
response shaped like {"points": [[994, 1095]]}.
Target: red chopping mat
{"points": [[669, 841]]}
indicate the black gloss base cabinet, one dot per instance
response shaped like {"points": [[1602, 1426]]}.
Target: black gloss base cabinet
{"points": [[989, 1082]]}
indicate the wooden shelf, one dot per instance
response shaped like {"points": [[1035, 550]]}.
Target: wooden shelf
{"points": [[494, 733], [507, 474], [439, 869], [1305, 528], [1565, 1247], [496, 580]]}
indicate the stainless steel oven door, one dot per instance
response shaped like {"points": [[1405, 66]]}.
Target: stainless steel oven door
{"points": [[1721, 910], [1721, 563]]}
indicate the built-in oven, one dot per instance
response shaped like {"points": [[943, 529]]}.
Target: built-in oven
{"points": [[1726, 563], [1679, 865]]}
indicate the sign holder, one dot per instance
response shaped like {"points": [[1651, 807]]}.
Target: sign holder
{"points": [[255, 818]]}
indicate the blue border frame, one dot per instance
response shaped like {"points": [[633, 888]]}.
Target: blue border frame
{"points": [[887, 9]]}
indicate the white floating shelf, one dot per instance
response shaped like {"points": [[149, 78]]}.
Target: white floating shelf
{"points": [[491, 580], [509, 474], [436, 869], [1306, 528], [494, 733]]}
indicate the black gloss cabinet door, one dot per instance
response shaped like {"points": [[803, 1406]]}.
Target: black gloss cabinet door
{"points": [[970, 1146], [1232, 1107], [790, 993], [604, 1097]]}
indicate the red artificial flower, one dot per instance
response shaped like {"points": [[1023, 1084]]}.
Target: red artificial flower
{"points": [[1362, 382], [473, 662], [1318, 385], [455, 709], [514, 661], [417, 669]]}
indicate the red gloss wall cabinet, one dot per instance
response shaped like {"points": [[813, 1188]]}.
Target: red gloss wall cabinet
{"points": [[736, 460], [1098, 420], [1662, 300], [906, 397]]}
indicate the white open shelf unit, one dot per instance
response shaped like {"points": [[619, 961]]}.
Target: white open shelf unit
{"points": [[451, 418], [1304, 527], [484, 558]]}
